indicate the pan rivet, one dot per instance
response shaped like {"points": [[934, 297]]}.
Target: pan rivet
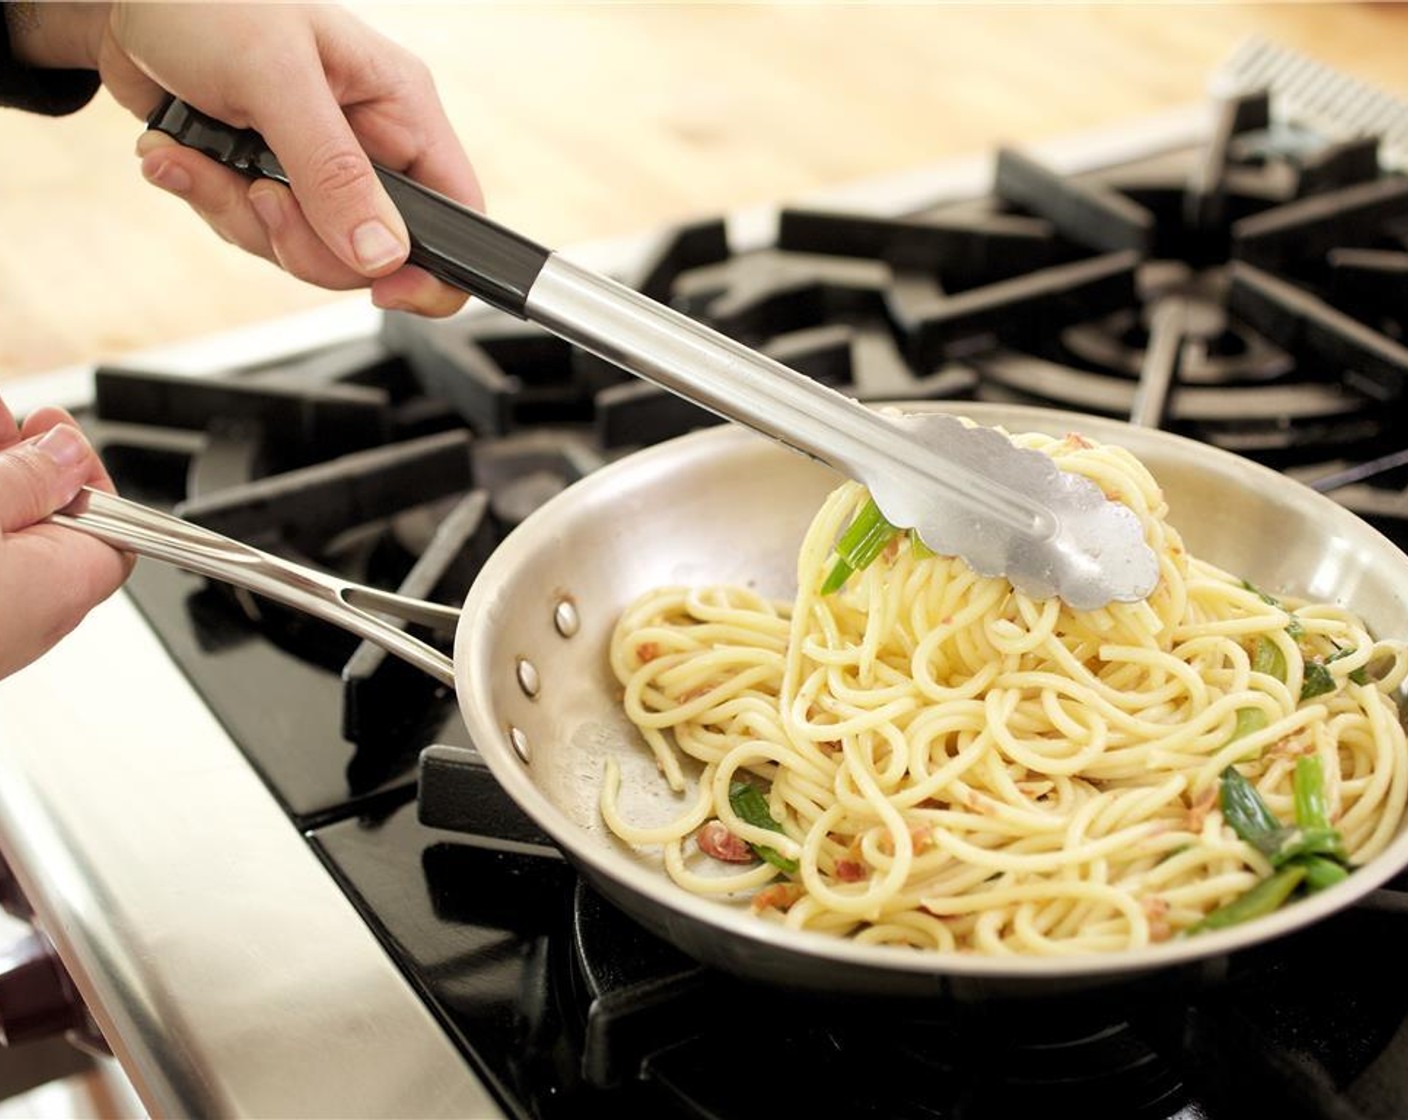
{"points": [[565, 618], [528, 678], [519, 741]]}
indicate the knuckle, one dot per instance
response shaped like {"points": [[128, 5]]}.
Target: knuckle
{"points": [[338, 171]]}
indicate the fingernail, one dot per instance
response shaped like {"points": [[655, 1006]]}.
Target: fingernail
{"points": [[64, 445], [269, 208], [167, 175], [375, 245]]}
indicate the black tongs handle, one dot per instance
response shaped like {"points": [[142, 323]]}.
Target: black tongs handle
{"points": [[450, 241]]}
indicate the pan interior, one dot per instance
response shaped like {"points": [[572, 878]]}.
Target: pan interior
{"points": [[726, 506]]}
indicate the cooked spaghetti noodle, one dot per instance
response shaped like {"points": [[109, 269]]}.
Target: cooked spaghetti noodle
{"points": [[949, 764]]}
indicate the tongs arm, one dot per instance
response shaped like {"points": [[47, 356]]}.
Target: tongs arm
{"points": [[354, 607]]}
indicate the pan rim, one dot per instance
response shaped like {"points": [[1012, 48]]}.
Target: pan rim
{"points": [[537, 531]]}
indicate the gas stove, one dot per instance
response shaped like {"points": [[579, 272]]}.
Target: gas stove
{"points": [[268, 856]]}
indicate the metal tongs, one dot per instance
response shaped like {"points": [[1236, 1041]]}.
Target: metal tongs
{"points": [[966, 490]]}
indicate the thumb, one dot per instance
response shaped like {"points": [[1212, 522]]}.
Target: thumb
{"points": [[335, 185], [42, 475]]}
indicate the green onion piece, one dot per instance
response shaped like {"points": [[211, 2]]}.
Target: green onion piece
{"points": [[749, 803], [1316, 837], [866, 537], [1321, 873], [1359, 675], [1302, 843], [1308, 787], [1318, 681], [1262, 899], [921, 550], [1269, 659], [1248, 720], [1293, 626], [864, 540], [837, 577], [1250, 817]]}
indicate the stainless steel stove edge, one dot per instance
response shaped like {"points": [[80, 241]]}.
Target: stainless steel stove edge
{"points": [[229, 973]]}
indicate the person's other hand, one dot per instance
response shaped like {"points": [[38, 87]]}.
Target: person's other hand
{"points": [[49, 577], [325, 91]]}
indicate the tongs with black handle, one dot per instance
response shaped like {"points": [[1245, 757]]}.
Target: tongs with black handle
{"points": [[966, 490]]}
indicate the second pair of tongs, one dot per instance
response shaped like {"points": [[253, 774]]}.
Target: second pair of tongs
{"points": [[966, 490]]}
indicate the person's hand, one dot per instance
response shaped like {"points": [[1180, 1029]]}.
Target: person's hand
{"points": [[323, 89], [49, 577]]}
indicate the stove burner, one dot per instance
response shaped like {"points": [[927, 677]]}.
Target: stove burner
{"points": [[650, 1012], [1215, 349]]}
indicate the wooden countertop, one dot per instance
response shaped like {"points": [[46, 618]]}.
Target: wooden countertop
{"points": [[588, 122]]}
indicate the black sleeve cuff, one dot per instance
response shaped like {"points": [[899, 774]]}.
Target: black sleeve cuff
{"points": [[54, 92]]}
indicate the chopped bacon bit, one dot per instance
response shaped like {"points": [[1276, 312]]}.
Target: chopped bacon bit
{"points": [[1198, 811], [647, 651], [892, 549], [714, 839], [921, 839], [976, 802], [778, 896], [830, 746], [1292, 746], [1156, 909], [851, 871], [1075, 439]]}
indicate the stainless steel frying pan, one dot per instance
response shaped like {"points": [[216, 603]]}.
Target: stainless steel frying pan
{"points": [[727, 506]]}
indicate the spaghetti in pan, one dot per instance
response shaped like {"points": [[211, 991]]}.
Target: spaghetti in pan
{"points": [[909, 753]]}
